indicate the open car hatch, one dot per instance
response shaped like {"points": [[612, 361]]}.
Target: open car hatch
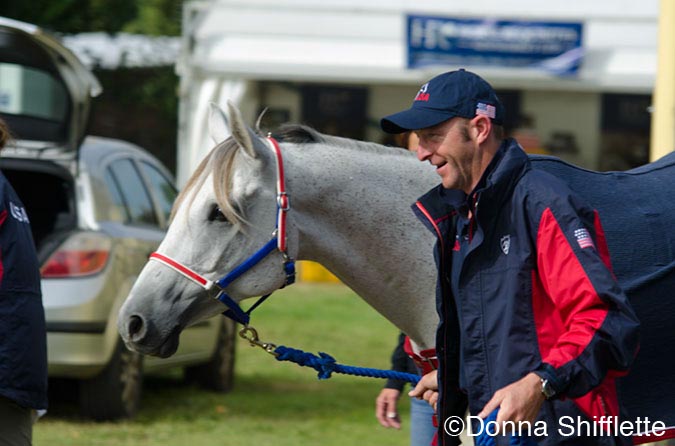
{"points": [[45, 91]]}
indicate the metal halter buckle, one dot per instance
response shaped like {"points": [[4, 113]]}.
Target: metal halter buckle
{"points": [[251, 335]]}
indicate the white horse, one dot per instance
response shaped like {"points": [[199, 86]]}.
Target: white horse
{"points": [[349, 210]]}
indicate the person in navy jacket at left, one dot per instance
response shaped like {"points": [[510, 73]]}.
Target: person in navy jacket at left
{"points": [[23, 344]]}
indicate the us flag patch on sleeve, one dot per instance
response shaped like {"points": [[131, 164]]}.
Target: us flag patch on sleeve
{"points": [[584, 238]]}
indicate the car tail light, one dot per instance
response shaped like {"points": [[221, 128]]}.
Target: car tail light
{"points": [[82, 254]]}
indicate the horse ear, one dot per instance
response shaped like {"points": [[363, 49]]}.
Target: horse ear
{"points": [[241, 132], [219, 125]]}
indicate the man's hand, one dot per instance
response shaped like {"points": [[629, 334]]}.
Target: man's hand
{"points": [[520, 401], [427, 389], [386, 408]]}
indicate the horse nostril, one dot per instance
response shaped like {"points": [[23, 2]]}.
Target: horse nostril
{"points": [[135, 325]]}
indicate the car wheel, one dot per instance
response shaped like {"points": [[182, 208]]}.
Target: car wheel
{"points": [[116, 391], [218, 373]]}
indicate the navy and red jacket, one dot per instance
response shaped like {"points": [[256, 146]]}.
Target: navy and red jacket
{"points": [[525, 285], [23, 344]]}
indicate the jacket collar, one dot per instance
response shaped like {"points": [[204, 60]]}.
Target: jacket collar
{"points": [[501, 177]]}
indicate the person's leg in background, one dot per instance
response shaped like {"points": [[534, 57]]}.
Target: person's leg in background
{"points": [[16, 424], [422, 428]]}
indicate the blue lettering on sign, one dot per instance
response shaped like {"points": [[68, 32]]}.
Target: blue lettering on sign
{"points": [[546, 46]]}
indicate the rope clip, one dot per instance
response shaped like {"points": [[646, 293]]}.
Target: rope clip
{"points": [[251, 335]]}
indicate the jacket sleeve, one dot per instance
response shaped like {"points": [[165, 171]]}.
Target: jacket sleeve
{"points": [[598, 330]]}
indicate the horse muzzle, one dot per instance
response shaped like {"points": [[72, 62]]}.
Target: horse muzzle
{"points": [[141, 336]]}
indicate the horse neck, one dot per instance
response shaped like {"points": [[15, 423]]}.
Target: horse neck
{"points": [[351, 211]]}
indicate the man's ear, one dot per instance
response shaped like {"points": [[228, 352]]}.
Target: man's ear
{"points": [[481, 127]]}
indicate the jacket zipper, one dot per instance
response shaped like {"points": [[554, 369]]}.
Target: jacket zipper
{"points": [[443, 279]]}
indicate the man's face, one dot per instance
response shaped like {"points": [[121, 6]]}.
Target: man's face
{"points": [[450, 148]]}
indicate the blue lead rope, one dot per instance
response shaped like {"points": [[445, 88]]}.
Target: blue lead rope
{"points": [[325, 364]]}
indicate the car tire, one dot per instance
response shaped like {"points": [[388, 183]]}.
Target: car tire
{"points": [[218, 373], [115, 392]]}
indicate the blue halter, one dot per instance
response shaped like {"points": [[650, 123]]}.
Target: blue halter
{"points": [[278, 241], [234, 311]]}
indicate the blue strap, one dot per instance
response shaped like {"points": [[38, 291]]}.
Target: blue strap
{"points": [[248, 263], [234, 311], [289, 269]]}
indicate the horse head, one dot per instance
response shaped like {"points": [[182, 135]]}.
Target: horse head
{"points": [[211, 232]]}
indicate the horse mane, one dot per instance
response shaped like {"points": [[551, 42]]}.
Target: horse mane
{"points": [[299, 134], [302, 134], [220, 161]]}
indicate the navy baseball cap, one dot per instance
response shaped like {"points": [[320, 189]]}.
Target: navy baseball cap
{"points": [[448, 95]]}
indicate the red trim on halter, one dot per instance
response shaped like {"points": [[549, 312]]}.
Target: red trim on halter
{"points": [[184, 270], [425, 360], [282, 197]]}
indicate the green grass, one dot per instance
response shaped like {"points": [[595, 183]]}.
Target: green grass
{"points": [[273, 403]]}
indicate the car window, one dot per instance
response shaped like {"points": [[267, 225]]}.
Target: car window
{"points": [[163, 190], [31, 92], [126, 186], [119, 208]]}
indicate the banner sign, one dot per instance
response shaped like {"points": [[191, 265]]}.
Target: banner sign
{"points": [[552, 47]]}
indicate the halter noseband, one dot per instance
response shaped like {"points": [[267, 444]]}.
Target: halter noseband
{"points": [[278, 241]]}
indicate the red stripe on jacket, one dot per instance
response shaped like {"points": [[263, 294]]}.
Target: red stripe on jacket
{"points": [[567, 308]]}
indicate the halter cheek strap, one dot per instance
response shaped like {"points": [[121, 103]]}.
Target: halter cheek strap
{"points": [[278, 241], [283, 201]]}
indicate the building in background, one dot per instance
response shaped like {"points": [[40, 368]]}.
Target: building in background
{"points": [[581, 72]]}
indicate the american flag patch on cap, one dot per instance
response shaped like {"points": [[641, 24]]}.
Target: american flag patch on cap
{"points": [[584, 238], [486, 109]]}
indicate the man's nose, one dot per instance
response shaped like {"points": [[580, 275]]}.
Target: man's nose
{"points": [[422, 153]]}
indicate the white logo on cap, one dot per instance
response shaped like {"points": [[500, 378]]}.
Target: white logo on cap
{"points": [[422, 95]]}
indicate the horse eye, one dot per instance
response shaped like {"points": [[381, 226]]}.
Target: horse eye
{"points": [[217, 215]]}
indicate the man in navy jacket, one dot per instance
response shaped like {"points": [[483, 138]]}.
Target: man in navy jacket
{"points": [[533, 322], [23, 345]]}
